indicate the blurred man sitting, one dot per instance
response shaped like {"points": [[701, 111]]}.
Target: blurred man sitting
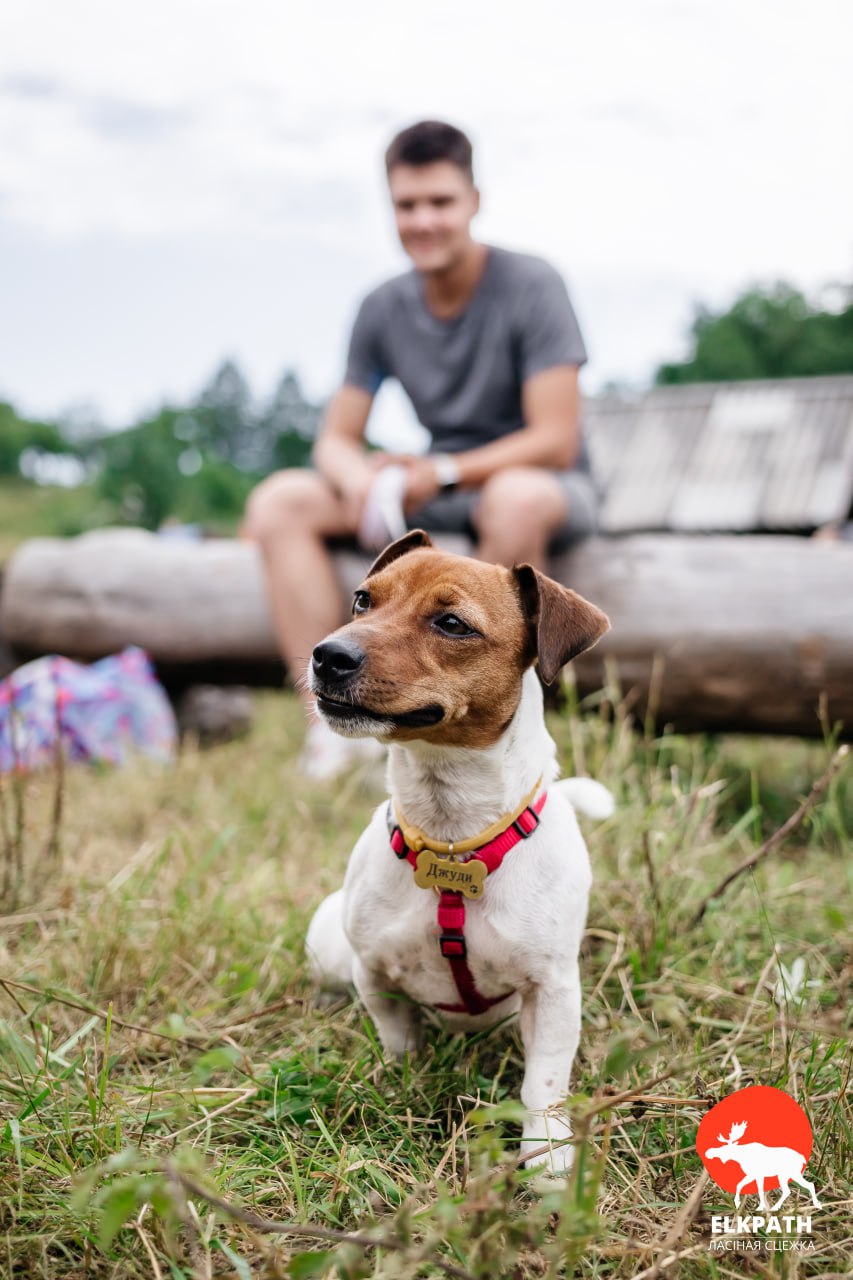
{"points": [[487, 347]]}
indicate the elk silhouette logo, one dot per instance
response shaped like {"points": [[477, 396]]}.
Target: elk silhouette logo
{"points": [[777, 1156]]}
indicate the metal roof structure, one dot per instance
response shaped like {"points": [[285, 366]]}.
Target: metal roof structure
{"points": [[726, 456]]}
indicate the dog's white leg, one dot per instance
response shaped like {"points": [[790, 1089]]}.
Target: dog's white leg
{"points": [[327, 946], [393, 1013], [550, 1030]]}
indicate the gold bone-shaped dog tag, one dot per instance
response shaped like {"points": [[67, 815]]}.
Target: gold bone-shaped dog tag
{"points": [[435, 872]]}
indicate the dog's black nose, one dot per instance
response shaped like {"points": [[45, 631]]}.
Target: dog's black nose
{"points": [[335, 661]]}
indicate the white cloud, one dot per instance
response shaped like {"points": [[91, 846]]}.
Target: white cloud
{"points": [[656, 153]]}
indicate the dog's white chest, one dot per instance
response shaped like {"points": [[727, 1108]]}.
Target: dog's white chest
{"points": [[524, 928], [404, 946]]}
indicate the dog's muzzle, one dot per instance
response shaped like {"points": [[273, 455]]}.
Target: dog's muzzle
{"points": [[335, 663]]}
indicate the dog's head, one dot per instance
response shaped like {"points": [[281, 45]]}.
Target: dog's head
{"points": [[439, 643]]}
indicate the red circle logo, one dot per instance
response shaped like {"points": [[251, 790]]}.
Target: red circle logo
{"points": [[757, 1135]]}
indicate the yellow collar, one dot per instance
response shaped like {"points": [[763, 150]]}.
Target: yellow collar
{"points": [[417, 840]]}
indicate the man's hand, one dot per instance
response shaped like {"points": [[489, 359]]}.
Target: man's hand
{"points": [[354, 489], [422, 482], [355, 483], [340, 455]]}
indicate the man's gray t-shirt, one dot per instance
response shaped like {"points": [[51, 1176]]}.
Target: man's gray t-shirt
{"points": [[464, 375]]}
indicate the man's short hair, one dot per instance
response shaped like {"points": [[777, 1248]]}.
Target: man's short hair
{"points": [[430, 141]]}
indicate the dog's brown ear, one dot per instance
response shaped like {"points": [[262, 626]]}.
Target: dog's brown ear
{"points": [[565, 624], [409, 542]]}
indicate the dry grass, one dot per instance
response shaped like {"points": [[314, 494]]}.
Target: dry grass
{"points": [[161, 1047]]}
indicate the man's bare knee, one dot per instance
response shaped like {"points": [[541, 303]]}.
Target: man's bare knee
{"points": [[297, 499], [518, 504]]}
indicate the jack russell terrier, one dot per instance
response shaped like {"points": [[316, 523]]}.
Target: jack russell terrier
{"points": [[467, 893]]}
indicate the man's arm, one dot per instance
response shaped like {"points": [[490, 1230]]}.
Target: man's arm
{"points": [[339, 453], [549, 353], [550, 437]]}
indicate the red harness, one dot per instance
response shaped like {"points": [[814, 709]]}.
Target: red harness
{"points": [[451, 905]]}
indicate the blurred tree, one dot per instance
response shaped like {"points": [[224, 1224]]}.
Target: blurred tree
{"points": [[18, 434], [770, 332], [217, 492], [80, 426], [228, 426], [160, 469], [139, 470], [196, 463], [226, 422], [291, 424]]}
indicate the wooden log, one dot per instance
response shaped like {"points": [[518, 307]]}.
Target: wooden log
{"points": [[722, 632]]}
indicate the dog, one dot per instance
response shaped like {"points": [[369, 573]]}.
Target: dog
{"points": [[439, 662]]}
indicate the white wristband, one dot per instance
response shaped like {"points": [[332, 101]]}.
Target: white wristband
{"points": [[446, 469]]}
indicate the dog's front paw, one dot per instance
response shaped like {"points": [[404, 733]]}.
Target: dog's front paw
{"points": [[544, 1145], [396, 1046]]}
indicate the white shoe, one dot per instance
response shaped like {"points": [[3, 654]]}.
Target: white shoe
{"points": [[326, 755]]}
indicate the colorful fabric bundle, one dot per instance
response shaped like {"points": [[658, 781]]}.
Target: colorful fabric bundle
{"points": [[101, 712]]}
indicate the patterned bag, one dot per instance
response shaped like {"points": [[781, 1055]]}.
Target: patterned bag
{"points": [[101, 712]]}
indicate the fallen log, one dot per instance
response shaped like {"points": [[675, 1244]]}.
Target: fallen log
{"points": [[719, 632]]}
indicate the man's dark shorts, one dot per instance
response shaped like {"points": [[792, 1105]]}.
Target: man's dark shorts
{"points": [[453, 512]]}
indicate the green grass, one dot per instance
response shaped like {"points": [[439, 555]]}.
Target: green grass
{"points": [[32, 511], [29, 510], [180, 907]]}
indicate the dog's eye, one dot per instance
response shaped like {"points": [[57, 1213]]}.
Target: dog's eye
{"points": [[360, 602], [453, 626]]}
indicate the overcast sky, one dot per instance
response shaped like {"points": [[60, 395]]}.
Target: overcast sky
{"points": [[184, 180]]}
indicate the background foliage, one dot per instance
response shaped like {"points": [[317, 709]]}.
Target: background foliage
{"points": [[196, 463], [771, 331]]}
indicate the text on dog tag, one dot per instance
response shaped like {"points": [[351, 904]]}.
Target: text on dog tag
{"points": [[435, 872]]}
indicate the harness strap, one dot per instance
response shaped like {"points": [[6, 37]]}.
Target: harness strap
{"points": [[451, 905], [451, 921]]}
